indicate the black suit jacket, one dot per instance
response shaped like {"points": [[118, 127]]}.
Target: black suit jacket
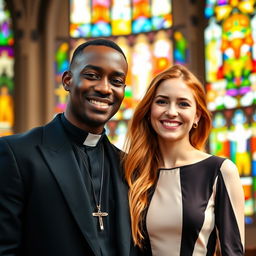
{"points": [[43, 204]]}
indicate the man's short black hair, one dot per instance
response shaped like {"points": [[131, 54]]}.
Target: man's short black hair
{"points": [[99, 41]]}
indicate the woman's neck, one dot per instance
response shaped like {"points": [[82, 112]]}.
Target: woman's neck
{"points": [[176, 153]]}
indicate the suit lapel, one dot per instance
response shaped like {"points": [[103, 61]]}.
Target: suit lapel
{"points": [[123, 236], [59, 155]]}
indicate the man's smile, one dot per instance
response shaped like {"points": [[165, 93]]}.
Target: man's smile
{"points": [[100, 103]]}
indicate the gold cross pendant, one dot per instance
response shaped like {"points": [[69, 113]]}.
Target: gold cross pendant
{"points": [[100, 214]]}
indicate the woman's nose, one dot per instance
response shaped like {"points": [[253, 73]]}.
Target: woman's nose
{"points": [[171, 110]]}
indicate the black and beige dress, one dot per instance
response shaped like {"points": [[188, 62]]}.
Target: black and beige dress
{"points": [[195, 204]]}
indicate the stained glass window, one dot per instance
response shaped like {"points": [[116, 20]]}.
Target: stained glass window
{"points": [[162, 52], [6, 71], [100, 18], [180, 47], [161, 14], [61, 65], [234, 136], [80, 18], [121, 17], [141, 16], [230, 63], [230, 53]]}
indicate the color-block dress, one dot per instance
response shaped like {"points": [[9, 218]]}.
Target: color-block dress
{"points": [[193, 205]]}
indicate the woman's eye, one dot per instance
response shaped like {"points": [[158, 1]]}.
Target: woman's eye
{"points": [[161, 102], [184, 104]]}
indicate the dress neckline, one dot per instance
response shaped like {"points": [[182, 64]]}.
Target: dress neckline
{"points": [[185, 165]]}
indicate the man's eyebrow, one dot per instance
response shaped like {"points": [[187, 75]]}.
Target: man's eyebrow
{"points": [[97, 68], [92, 67], [118, 73]]}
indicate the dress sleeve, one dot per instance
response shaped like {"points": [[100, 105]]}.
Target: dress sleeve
{"points": [[229, 210], [11, 202]]}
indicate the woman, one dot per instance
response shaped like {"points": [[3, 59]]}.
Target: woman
{"points": [[181, 198]]}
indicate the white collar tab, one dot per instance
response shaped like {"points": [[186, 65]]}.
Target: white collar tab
{"points": [[92, 139]]}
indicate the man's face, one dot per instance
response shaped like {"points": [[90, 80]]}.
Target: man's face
{"points": [[96, 85]]}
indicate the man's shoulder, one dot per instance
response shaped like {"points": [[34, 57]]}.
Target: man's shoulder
{"points": [[32, 135], [19, 137]]}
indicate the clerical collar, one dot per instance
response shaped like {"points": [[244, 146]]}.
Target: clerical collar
{"points": [[80, 136], [92, 139]]}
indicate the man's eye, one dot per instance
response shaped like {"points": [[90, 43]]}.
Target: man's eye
{"points": [[91, 76], [117, 82]]}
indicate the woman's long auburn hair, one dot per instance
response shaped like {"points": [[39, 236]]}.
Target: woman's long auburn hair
{"points": [[143, 159]]}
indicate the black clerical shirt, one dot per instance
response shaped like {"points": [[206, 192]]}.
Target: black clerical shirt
{"points": [[90, 161]]}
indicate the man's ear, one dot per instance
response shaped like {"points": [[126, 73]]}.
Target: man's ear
{"points": [[66, 80]]}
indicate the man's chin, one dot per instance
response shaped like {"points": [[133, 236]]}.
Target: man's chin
{"points": [[96, 118], [98, 122]]}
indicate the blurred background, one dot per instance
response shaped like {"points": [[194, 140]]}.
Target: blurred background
{"points": [[216, 39]]}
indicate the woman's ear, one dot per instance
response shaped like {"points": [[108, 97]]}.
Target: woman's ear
{"points": [[198, 116], [66, 80]]}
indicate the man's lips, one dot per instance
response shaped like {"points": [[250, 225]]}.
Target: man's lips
{"points": [[100, 103]]}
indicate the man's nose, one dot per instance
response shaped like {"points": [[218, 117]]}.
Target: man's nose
{"points": [[103, 86]]}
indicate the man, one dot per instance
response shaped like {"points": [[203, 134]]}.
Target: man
{"points": [[61, 187]]}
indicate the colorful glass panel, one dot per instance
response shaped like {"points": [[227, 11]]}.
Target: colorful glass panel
{"points": [[61, 65], [97, 18], [180, 48], [161, 14], [234, 136], [141, 16], [6, 71], [80, 18], [141, 66], [101, 18], [126, 110], [162, 52], [247, 183], [121, 17], [230, 53]]}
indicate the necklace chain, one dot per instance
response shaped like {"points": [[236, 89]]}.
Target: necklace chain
{"points": [[98, 204], [99, 213]]}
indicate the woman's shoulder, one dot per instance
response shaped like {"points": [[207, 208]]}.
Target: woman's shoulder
{"points": [[203, 157], [228, 166], [225, 165], [214, 161]]}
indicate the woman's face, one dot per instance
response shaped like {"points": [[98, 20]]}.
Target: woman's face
{"points": [[174, 110]]}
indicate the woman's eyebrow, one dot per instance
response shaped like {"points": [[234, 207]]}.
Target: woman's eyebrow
{"points": [[161, 96]]}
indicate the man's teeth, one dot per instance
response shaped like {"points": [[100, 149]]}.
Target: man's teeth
{"points": [[99, 103], [170, 124]]}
